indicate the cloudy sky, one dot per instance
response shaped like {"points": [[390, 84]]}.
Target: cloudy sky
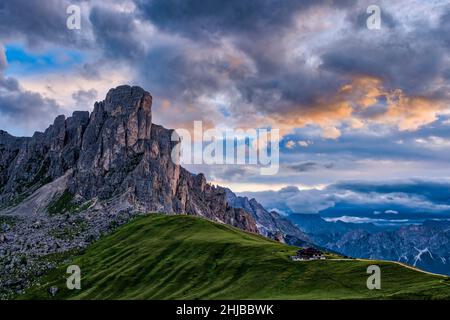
{"points": [[364, 114]]}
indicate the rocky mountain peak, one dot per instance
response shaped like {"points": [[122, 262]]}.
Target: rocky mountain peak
{"points": [[126, 99]]}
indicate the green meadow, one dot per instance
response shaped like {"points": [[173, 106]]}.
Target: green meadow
{"points": [[186, 257]]}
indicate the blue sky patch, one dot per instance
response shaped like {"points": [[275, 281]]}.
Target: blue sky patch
{"points": [[25, 62]]}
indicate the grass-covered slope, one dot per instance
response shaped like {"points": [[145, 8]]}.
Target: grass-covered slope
{"points": [[184, 257]]}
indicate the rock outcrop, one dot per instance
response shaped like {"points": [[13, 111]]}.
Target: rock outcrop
{"points": [[28, 163], [115, 151]]}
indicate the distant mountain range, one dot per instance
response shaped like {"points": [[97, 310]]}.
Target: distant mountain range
{"points": [[426, 246]]}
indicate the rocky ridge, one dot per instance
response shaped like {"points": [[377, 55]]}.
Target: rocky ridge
{"points": [[270, 224]]}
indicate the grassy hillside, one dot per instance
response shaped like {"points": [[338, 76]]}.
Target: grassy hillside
{"points": [[185, 257]]}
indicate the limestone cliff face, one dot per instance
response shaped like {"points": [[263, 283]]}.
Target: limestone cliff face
{"points": [[115, 151], [28, 163], [114, 142]]}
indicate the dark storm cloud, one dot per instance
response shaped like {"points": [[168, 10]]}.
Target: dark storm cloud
{"points": [[279, 85], [359, 18], [434, 191], [410, 59], [400, 63], [174, 68], [405, 60], [309, 166], [292, 200], [22, 106], [198, 18], [170, 69], [427, 144], [8, 84], [444, 28], [38, 22], [255, 28], [419, 197], [90, 71], [84, 98], [173, 72], [3, 61], [282, 86], [115, 32]]}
